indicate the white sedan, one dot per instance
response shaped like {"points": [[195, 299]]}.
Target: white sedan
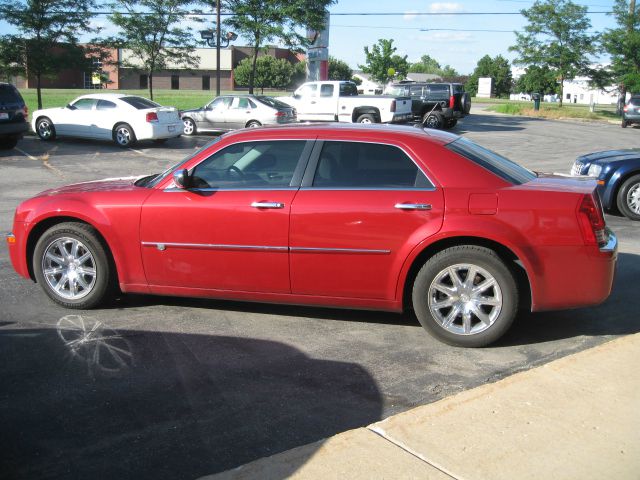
{"points": [[109, 116]]}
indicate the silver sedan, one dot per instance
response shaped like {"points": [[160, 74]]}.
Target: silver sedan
{"points": [[229, 112]]}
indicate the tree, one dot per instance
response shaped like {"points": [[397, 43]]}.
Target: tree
{"points": [[537, 80], [383, 64], [556, 37], [151, 30], [623, 46], [497, 68], [339, 70], [269, 72], [428, 64], [262, 21], [47, 40]]}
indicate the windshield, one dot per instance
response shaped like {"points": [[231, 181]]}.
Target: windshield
{"points": [[497, 164], [153, 180]]}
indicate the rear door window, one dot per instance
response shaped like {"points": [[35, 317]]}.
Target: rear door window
{"points": [[360, 165], [8, 94]]}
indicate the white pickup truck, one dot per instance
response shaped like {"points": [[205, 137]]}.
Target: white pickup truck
{"points": [[331, 101]]}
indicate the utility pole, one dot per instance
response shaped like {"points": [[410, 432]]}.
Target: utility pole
{"points": [[218, 47]]}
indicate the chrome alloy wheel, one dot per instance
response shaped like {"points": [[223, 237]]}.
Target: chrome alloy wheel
{"points": [[44, 129], [123, 136], [633, 198], [465, 299], [189, 127], [69, 268]]}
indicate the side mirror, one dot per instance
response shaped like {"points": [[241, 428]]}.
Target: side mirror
{"points": [[181, 178], [70, 107], [297, 96]]}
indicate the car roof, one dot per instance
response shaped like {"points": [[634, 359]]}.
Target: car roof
{"points": [[107, 96], [357, 130]]}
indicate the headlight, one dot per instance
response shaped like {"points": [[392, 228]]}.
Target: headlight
{"points": [[594, 170]]}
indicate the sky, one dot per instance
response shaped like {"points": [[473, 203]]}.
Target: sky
{"points": [[452, 37]]}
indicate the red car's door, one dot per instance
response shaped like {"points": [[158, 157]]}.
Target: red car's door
{"points": [[354, 225], [230, 231]]}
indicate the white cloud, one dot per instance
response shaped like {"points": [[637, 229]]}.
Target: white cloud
{"points": [[445, 37], [445, 7], [410, 15]]}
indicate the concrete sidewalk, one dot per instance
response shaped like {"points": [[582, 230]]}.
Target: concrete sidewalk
{"points": [[574, 418]]}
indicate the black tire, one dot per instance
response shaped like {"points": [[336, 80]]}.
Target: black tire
{"points": [[253, 124], [366, 118], [123, 135], [8, 143], [45, 129], [628, 198], [189, 126], [466, 103], [462, 259], [160, 141], [624, 123], [450, 123], [82, 284], [433, 120]]}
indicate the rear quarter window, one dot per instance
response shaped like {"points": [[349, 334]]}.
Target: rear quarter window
{"points": [[497, 164]]}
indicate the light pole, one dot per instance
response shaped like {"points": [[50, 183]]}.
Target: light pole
{"points": [[207, 35]]}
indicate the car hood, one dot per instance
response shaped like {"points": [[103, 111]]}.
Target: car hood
{"points": [[107, 184], [610, 156]]}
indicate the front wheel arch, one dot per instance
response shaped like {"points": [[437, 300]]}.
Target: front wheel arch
{"points": [[38, 230], [507, 255]]}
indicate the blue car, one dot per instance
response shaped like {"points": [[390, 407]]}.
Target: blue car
{"points": [[618, 176]]}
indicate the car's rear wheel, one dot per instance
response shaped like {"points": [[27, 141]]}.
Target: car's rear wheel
{"points": [[254, 124], [189, 126], [452, 122], [123, 135], [466, 103], [8, 143], [366, 118], [628, 199], [72, 266], [433, 120], [465, 296], [624, 123], [45, 129]]}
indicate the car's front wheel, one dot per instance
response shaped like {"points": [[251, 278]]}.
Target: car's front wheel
{"points": [[72, 266], [465, 296], [189, 126], [628, 199], [45, 129], [624, 123], [123, 135]]}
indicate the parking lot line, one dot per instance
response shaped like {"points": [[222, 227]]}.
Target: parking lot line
{"points": [[44, 159]]}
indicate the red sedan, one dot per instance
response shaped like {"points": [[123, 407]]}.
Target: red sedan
{"points": [[372, 217]]}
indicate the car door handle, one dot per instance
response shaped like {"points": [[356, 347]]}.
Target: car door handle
{"points": [[267, 205], [413, 206]]}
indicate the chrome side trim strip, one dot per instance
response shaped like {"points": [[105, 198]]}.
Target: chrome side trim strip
{"points": [[264, 248], [235, 189], [338, 250], [210, 246]]}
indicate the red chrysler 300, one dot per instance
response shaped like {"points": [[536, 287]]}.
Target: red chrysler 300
{"points": [[372, 217]]}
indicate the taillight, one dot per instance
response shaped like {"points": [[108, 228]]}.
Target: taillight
{"points": [[592, 221], [152, 117], [26, 111], [393, 106], [281, 114], [452, 101], [626, 108]]}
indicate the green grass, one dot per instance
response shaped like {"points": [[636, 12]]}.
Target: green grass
{"points": [[554, 111], [181, 99]]}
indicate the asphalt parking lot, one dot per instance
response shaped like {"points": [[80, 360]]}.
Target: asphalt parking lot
{"points": [[178, 388]]}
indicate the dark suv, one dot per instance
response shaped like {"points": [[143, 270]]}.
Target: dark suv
{"points": [[631, 111], [436, 105], [13, 116]]}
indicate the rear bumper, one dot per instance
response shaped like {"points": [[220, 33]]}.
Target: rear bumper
{"points": [[570, 277], [15, 129], [153, 131], [402, 118]]}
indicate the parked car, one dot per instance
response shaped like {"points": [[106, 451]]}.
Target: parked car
{"points": [[631, 111], [618, 175], [338, 101], [122, 118], [230, 112], [13, 116], [374, 217], [435, 105]]}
